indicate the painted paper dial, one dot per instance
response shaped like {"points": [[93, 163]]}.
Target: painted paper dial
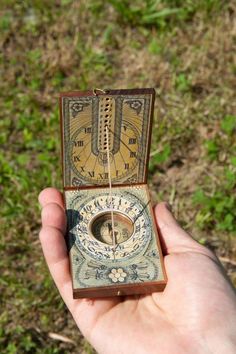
{"points": [[85, 142], [92, 167], [132, 226]]}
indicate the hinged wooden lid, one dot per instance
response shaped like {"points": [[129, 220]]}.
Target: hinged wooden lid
{"points": [[86, 116]]}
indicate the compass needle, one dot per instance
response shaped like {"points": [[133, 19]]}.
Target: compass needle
{"points": [[113, 242]]}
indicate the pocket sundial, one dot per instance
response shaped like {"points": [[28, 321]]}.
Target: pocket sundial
{"points": [[112, 236]]}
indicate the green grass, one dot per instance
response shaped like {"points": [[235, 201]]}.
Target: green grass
{"points": [[184, 50]]}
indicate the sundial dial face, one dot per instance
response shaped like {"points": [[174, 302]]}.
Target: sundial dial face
{"points": [[89, 157], [113, 241], [85, 118]]}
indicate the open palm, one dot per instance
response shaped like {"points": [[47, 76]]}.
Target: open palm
{"points": [[196, 313]]}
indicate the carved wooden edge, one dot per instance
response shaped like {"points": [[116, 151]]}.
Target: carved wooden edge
{"points": [[97, 186], [157, 233], [151, 114], [107, 92], [62, 140], [120, 290]]}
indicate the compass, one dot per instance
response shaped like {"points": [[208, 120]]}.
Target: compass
{"points": [[112, 237], [101, 228]]}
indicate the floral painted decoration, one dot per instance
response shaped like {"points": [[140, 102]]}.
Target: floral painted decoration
{"points": [[78, 107], [117, 275], [135, 105]]}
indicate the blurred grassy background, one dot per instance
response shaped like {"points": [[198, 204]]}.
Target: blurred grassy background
{"points": [[186, 51]]}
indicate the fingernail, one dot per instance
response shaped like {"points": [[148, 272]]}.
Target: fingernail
{"points": [[169, 207]]}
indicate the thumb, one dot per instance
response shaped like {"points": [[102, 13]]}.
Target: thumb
{"points": [[173, 238]]}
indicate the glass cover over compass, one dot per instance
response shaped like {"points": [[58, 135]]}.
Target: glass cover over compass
{"points": [[101, 228]]}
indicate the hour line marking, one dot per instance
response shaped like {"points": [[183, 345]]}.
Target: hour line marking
{"points": [[141, 161], [95, 163], [88, 157]]}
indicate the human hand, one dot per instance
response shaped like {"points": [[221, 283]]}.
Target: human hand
{"points": [[196, 313]]}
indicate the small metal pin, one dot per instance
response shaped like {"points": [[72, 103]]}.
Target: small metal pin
{"points": [[96, 90]]}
